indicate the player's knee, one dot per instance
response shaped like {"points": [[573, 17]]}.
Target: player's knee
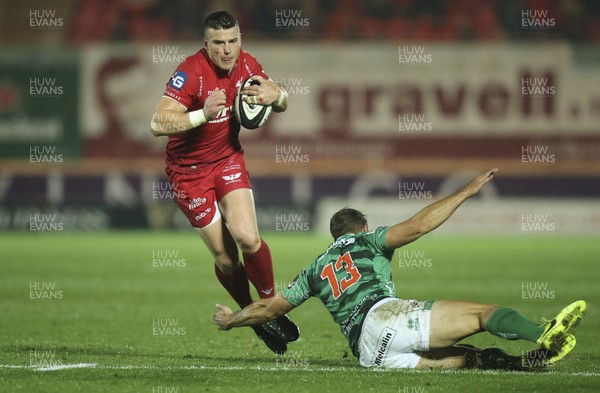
{"points": [[227, 266], [485, 312], [226, 260], [248, 241]]}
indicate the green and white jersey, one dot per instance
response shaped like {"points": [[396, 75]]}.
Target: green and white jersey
{"points": [[349, 278]]}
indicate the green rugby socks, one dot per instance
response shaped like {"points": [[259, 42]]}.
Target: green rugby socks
{"points": [[507, 323]]}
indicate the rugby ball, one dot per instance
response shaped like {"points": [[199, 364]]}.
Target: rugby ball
{"points": [[250, 116]]}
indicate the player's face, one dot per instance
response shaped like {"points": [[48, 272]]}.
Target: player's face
{"points": [[223, 46]]}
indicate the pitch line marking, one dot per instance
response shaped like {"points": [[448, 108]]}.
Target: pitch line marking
{"points": [[260, 368], [65, 366], [55, 367]]}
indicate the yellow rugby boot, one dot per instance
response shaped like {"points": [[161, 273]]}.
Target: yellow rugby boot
{"points": [[555, 333], [568, 343]]}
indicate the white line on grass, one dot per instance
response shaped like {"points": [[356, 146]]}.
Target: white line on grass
{"points": [[261, 368], [65, 366], [49, 368]]}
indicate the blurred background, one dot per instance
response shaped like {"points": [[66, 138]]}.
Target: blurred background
{"points": [[392, 104]]}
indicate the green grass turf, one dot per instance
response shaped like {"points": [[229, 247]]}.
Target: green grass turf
{"points": [[111, 294]]}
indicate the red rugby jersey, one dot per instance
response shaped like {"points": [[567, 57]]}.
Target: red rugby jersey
{"points": [[190, 85]]}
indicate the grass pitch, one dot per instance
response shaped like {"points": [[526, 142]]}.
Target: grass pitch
{"points": [[130, 312]]}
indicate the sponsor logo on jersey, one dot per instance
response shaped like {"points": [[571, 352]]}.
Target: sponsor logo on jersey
{"points": [[415, 304], [294, 281], [178, 80], [223, 115], [248, 68], [267, 292], [383, 345], [203, 214], [196, 202], [238, 84], [232, 167], [232, 178], [413, 324], [217, 89], [339, 243], [172, 95], [355, 313]]}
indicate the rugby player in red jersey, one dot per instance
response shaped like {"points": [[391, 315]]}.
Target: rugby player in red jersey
{"points": [[205, 162]]}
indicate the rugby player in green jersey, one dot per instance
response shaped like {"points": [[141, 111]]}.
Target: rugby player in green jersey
{"points": [[352, 278]]}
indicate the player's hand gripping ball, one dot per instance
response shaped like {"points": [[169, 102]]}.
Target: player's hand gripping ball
{"points": [[250, 115]]}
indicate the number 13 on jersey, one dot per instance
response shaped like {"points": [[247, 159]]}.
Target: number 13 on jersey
{"points": [[339, 287]]}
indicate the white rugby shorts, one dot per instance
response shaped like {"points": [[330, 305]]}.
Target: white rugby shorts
{"points": [[393, 330]]}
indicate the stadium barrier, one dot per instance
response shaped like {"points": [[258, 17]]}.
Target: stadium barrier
{"points": [[126, 199], [480, 216]]}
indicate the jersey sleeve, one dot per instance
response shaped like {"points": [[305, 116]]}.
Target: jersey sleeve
{"points": [[299, 289], [183, 85], [376, 240], [253, 66]]}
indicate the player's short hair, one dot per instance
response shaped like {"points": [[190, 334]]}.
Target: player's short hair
{"points": [[220, 20], [347, 220]]}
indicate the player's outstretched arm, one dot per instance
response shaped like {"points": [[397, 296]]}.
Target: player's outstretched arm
{"points": [[170, 117], [434, 215], [256, 313]]}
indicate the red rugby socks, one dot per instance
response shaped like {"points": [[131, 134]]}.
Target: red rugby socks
{"points": [[259, 269], [236, 284]]}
